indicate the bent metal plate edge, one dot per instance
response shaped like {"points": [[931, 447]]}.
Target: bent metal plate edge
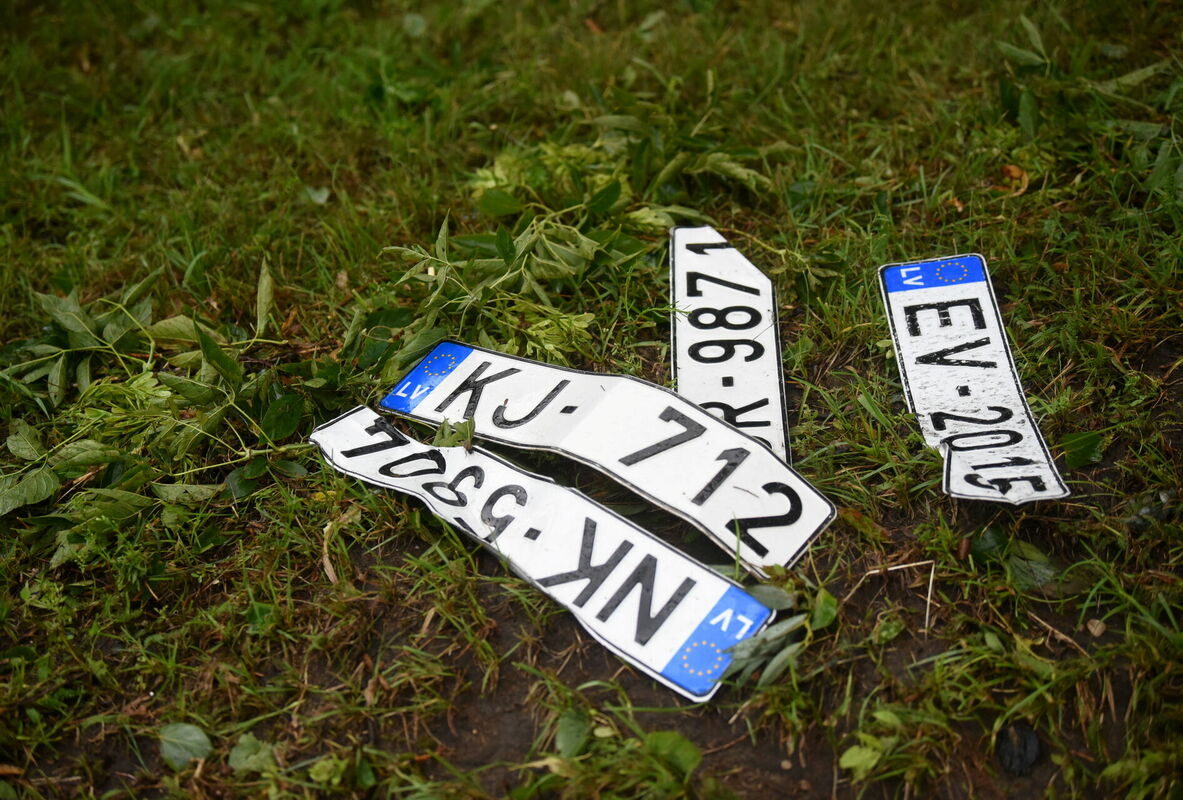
{"points": [[961, 382], [726, 337], [749, 501], [649, 603]]}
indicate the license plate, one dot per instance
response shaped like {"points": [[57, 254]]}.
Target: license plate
{"points": [[727, 354], [961, 382], [652, 605], [685, 459]]}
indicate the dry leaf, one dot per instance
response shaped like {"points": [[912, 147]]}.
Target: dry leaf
{"points": [[1017, 177]]}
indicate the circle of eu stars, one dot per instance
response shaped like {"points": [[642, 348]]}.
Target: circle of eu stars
{"points": [[444, 369], [720, 659], [950, 265]]}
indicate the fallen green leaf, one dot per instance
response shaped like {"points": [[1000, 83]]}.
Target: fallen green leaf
{"points": [[676, 750], [498, 203], [282, 417], [238, 485], [779, 663], [504, 244], [264, 298], [572, 732], [33, 487], [825, 610], [251, 755], [226, 366], [185, 493], [774, 597], [860, 760], [181, 743], [1086, 447], [180, 329], [603, 201], [1020, 56], [58, 381], [24, 441], [290, 469]]}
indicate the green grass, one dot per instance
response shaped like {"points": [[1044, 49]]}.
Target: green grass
{"points": [[221, 228]]}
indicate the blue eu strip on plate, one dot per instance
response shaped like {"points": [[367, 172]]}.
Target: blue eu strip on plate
{"points": [[419, 382], [700, 661], [933, 274]]}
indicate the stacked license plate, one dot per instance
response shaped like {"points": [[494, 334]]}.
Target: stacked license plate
{"points": [[715, 452]]}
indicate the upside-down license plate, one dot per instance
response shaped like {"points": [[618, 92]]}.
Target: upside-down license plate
{"points": [[649, 603], [961, 382], [726, 353], [650, 439]]}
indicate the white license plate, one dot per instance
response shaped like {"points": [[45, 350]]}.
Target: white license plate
{"points": [[727, 354], [749, 501], [652, 605], [961, 382]]}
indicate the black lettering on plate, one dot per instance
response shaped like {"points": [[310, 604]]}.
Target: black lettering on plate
{"points": [[743, 526], [670, 414], [727, 349], [701, 249], [1013, 461], [692, 279], [594, 574], [474, 386], [943, 318], [458, 498], [938, 357], [397, 439], [1003, 484], [434, 456], [732, 414], [952, 442], [941, 418], [732, 458], [500, 420], [708, 319], [497, 525], [648, 623]]}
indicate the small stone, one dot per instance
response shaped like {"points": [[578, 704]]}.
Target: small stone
{"points": [[1096, 627], [1018, 748]]}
